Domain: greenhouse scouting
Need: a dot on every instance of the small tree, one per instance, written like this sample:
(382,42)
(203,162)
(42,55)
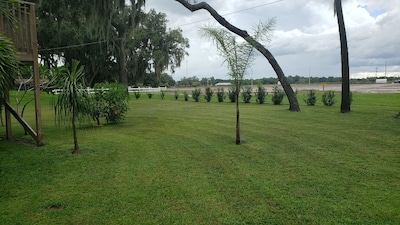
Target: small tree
(196,94)
(220,94)
(232,94)
(261,93)
(310,98)
(238,57)
(246,94)
(73,102)
(176,95)
(162,94)
(209,94)
(186,96)
(328,98)
(137,94)
(277,95)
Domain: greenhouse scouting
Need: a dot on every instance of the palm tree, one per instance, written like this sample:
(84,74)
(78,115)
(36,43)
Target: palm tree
(9,64)
(9,68)
(8,15)
(73,101)
(345,106)
(238,56)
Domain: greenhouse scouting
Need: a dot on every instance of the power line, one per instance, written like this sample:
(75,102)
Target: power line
(227,14)
(72,46)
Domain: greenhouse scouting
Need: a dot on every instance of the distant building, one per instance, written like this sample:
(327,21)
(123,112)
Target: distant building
(223,84)
(381,81)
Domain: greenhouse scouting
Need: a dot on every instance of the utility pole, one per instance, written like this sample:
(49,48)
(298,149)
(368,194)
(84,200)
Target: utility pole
(385,68)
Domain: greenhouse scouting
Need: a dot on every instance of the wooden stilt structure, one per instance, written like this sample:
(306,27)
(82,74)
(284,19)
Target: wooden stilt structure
(25,41)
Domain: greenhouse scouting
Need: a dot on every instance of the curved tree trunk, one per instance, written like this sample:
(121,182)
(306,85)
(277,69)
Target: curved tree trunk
(294,105)
(345,106)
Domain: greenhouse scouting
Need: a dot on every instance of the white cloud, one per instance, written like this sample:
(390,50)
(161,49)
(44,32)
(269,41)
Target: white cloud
(305,40)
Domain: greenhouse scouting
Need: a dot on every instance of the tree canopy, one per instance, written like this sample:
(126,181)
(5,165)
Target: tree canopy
(114,40)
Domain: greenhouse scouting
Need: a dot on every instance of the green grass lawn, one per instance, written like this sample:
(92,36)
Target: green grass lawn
(176,162)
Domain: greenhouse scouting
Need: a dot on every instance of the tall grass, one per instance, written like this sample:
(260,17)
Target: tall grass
(176,162)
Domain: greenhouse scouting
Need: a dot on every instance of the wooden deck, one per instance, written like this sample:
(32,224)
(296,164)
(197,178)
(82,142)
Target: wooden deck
(23,35)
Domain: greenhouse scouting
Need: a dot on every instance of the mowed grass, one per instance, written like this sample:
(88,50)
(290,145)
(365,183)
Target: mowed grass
(176,162)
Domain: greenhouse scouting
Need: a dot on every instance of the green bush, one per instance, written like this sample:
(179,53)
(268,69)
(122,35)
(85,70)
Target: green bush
(162,94)
(186,96)
(111,101)
(137,95)
(261,93)
(351,97)
(221,94)
(277,95)
(176,95)
(150,95)
(232,94)
(328,98)
(209,94)
(196,94)
(246,94)
(310,98)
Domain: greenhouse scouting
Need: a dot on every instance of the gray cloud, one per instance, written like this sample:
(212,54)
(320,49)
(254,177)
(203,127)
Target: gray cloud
(305,38)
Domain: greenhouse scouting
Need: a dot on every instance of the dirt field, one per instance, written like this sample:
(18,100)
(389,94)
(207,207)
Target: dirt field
(363,88)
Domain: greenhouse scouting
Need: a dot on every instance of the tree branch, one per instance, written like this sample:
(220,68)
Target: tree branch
(294,105)
(215,14)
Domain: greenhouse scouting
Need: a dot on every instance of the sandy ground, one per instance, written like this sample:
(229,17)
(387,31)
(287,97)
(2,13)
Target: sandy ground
(363,88)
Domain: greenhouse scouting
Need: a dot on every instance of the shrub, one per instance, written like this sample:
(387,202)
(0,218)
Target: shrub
(277,95)
(150,95)
(328,98)
(221,94)
(351,97)
(162,94)
(185,96)
(261,93)
(246,94)
(310,98)
(209,94)
(113,99)
(137,95)
(176,95)
(232,94)
(196,94)
(98,105)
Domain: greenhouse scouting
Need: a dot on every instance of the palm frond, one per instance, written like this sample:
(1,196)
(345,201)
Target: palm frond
(74,98)
(9,65)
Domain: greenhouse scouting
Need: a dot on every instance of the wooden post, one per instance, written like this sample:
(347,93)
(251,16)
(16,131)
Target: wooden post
(36,79)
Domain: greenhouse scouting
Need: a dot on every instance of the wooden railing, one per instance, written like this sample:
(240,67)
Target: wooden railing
(20,32)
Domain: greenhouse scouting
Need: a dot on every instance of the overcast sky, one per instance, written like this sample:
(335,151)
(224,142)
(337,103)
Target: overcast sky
(305,40)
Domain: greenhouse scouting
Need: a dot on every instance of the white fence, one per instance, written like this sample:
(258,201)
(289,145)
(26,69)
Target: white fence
(146,89)
(130,89)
